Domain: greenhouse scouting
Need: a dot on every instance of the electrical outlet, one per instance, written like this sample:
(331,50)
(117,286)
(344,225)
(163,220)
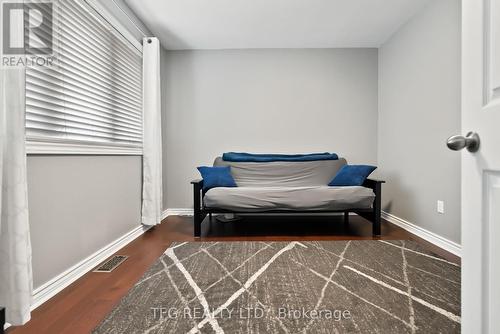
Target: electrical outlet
(440,206)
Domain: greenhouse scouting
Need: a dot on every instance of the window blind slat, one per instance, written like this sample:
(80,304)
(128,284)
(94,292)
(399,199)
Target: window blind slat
(92,54)
(76,73)
(50,121)
(103,94)
(100,35)
(89,71)
(52,116)
(41,131)
(79,34)
(108,96)
(96,22)
(52,111)
(69,100)
(94,92)
(83,60)
(70,106)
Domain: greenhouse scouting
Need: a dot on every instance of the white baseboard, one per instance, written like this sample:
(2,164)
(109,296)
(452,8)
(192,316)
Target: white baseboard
(61,281)
(427,235)
(177,212)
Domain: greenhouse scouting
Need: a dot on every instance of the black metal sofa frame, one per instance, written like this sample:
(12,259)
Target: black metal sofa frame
(373,215)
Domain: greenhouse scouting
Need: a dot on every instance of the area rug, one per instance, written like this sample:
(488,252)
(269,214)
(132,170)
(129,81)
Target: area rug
(293,287)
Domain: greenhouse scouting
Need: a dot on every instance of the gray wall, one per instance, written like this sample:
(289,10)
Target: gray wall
(419,107)
(77,205)
(265,101)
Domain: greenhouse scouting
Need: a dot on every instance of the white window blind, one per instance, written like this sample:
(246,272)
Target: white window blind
(93,95)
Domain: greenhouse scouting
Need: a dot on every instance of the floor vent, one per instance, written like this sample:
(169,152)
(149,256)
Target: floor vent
(111,264)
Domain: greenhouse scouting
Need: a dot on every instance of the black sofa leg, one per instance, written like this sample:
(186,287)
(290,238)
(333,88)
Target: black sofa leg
(377,207)
(198,217)
(346,218)
(377,230)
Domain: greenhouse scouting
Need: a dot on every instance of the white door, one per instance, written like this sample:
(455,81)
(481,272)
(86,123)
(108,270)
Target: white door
(481,170)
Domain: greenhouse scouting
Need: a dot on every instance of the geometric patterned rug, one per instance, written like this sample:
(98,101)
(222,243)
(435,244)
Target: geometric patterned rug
(293,287)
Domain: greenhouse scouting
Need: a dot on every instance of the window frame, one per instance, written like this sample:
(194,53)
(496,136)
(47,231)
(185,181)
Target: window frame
(55,146)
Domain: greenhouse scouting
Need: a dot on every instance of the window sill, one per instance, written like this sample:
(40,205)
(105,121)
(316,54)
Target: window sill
(41,147)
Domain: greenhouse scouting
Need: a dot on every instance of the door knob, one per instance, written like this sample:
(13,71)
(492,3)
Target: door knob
(471,142)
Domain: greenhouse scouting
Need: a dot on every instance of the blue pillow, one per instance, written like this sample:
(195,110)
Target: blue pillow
(352,175)
(216,177)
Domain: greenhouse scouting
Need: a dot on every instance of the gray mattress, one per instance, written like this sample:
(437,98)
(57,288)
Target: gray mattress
(311,198)
(283,174)
(282,186)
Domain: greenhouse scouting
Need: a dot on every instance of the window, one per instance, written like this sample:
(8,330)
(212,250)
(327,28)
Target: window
(91,100)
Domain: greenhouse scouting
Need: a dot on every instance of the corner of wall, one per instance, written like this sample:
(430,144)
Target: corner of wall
(415,116)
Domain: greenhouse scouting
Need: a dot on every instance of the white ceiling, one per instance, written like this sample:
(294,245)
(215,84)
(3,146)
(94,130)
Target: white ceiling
(241,24)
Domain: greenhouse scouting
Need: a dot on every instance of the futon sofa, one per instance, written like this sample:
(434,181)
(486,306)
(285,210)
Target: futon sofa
(287,187)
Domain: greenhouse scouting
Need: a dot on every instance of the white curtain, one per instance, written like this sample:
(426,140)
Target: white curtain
(152,144)
(15,248)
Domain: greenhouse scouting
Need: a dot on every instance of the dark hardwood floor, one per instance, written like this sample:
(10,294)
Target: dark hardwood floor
(82,306)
